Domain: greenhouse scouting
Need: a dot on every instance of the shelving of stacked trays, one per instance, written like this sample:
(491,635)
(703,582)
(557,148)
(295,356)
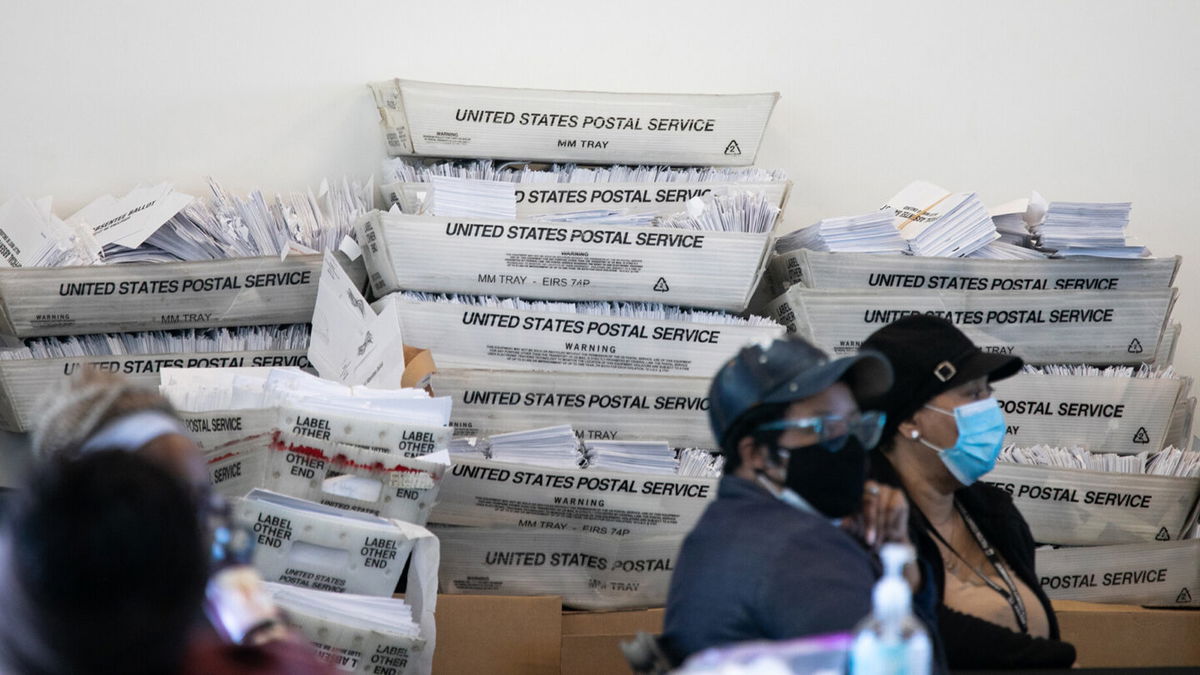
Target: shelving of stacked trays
(579,265)
(158,278)
(1100,459)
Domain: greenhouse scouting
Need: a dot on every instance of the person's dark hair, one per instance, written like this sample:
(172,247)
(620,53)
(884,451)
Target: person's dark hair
(746,426)
(102,568)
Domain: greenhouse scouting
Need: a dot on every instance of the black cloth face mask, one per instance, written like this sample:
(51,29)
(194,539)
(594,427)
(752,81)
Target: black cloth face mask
(829,480)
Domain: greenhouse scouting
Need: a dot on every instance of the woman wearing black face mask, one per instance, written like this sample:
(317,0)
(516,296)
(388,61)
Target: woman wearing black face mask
(786,549)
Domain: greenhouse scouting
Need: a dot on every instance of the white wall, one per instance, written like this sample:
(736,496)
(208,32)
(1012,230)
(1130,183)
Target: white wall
(1082,100)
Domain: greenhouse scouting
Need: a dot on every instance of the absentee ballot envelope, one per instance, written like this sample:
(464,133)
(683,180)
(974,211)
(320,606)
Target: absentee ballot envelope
(1126,415)
(597,406)
(562,261)
(1160,574)
(344,476)
(471,336)
(325,548)
(481,492)
(590,571)
(452,120)
(543,199)
(1090,508)
(1042,327)
(355,633)
(817,269)
(22,382)
(161,296)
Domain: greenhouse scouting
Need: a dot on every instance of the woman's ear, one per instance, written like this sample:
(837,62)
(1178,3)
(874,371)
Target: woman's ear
(908,429)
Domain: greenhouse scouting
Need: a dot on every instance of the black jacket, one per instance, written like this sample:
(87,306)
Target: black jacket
(755,568)
(971,642)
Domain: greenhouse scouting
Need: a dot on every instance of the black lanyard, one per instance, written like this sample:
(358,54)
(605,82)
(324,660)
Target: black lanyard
(1011,595)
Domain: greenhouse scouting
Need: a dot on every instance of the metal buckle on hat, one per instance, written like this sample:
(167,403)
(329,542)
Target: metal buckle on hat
(944,371)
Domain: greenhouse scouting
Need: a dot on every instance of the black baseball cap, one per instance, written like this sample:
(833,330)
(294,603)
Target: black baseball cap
(929,356)
(783,370)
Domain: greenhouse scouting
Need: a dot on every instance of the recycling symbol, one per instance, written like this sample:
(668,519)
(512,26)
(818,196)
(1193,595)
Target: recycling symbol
(1162,535)
(1183,596)
(661,285)
(1135,347)
(1141,436)
(733,148)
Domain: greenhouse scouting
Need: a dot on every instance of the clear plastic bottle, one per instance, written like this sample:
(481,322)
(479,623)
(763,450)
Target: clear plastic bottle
(891,641)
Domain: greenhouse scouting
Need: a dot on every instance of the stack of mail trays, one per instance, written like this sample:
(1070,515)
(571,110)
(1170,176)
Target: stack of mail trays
(214,296)
(1099,424)
(336,483)
(579,265)
(158,278)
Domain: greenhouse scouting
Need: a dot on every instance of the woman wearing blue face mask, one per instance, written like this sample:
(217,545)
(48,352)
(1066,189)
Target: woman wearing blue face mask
(944,432)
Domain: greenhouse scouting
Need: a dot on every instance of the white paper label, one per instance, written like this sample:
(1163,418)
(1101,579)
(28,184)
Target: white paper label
(159,296)
(1159,574)
(1126,415)
(1102,327)
(818,269)
(589,571)
(484,492)
(1090,508)
(598,407)
(465,336)
(562,261)
(444,120)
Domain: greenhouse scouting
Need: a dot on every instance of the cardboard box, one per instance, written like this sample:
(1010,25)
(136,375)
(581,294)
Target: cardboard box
(453,120)
(132,297)
(591,640)
(504,634)
(1124,636)
(498,635)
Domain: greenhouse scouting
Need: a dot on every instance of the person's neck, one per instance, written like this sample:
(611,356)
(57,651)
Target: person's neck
(932,494)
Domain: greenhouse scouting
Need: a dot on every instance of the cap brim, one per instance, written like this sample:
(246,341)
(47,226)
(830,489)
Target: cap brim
(868,374)
(982,364)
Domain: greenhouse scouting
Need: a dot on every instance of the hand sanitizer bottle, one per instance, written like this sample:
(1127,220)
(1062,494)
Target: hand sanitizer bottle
(891,641)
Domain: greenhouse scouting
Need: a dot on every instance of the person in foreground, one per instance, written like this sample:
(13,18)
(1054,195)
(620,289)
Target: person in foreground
(944,431)
(787,548)
(102,569)
(111,555)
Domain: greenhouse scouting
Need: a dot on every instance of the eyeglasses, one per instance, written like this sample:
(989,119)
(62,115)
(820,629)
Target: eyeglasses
(832,430)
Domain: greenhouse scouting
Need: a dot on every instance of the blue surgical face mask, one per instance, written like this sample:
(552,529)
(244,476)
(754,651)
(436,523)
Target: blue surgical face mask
(980,437)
